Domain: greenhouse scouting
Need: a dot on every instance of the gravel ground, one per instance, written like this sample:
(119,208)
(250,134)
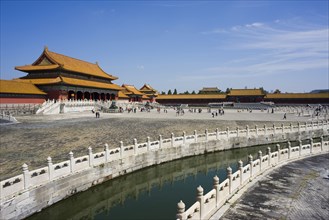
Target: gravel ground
(298,190)
(36,137)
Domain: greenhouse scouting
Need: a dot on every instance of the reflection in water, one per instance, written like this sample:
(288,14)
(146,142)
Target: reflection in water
(151,193)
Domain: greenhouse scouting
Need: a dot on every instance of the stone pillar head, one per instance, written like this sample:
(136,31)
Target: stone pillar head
(216,180)
(90,150)
(240,163)
(229,170)
(199,191)
(289,144)
(49,160)
(135,141)
(278,146)
(71,154)
(172,135)
(268,150)
(25,167)
(148,138)
(184,133)
(180,207)
(260,154)
(250,158)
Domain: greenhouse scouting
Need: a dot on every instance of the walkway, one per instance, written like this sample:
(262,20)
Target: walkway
(299,190)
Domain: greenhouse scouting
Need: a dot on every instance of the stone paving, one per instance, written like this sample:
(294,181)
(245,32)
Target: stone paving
(298,190)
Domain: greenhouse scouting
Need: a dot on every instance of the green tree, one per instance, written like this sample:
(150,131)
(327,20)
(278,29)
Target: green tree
(163,93)
(169,92)
(193,92)
(228,90)
(186,93)
(175,92)
(277,91)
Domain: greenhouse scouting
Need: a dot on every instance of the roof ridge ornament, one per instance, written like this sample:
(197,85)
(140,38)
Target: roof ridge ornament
(46,47)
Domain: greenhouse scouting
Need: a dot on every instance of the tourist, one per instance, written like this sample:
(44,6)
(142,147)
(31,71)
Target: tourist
(285,116)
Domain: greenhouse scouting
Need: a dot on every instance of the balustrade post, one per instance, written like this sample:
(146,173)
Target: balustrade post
(72,163)
(216,187)
(195,136)
(289,149)
(217,134)
(282,127)
(172,140)
(256,130)
(268,151)
(91,157)
(148,143)
(278,148)
(121,149)
(298,127)
(229,177)
(26,176)
(240,167)
(227,132)
(273,129)
(260,157)
(247,131)
(160,141)
(322,142)
(311,145)
(200,199)
(107,152)
(184,137)
(135,146)
(300,146)
(181,211)
(237,131)
(50,168)
(250,159)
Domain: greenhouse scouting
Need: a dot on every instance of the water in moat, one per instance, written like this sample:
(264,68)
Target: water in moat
(151,193)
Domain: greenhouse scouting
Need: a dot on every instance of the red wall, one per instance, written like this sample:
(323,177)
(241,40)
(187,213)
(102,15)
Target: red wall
(21,100)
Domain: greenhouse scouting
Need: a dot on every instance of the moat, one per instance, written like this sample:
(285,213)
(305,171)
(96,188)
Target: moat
(151,193)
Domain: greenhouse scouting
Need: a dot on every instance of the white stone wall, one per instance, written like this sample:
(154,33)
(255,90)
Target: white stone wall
(32,191)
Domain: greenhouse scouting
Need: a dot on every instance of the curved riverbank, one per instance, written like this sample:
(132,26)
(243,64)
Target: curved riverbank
(298,190)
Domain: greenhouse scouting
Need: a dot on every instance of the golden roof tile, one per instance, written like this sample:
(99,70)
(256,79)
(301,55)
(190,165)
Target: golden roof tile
(297,96)
(16,87)
(87,83)
(192,96)
(66,63)
(245,92)
(131,89)
(41,81)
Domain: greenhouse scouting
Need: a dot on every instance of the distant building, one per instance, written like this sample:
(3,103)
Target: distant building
(245,95)
(14,92)
(298,98)
(320,91)
(195,99)
(149,92)
(209,90)
(63,77)
(133,94)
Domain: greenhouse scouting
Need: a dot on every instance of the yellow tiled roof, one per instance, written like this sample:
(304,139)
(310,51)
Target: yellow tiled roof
(196,96)
(72,81)
(245,92)
(41,81)
(67,63)
(121,95)
(297,96)
(87,83)
(131,90)
(16,87)
(148,88)
(38,67)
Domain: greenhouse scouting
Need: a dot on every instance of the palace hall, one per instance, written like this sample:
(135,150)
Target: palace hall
(63,77)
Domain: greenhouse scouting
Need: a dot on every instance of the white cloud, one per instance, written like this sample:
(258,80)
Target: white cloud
(140,67)
(273,48)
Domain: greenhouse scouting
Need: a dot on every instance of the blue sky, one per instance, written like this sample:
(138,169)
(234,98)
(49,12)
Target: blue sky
(185,45)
